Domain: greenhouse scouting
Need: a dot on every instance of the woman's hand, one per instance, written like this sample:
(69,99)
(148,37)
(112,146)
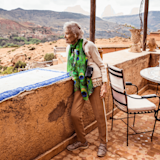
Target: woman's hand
(103,90)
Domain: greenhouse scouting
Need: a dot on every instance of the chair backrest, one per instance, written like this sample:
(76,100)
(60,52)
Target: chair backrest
(117,84)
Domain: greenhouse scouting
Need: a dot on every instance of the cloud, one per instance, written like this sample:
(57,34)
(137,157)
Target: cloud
(64,2)
(29,4)
(124,6)
(127,3)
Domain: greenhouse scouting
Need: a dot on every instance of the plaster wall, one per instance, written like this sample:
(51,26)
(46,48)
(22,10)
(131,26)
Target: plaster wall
(108,50)
(34,122)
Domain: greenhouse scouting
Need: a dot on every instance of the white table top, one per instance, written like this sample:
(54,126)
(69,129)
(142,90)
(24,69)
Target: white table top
(151,74)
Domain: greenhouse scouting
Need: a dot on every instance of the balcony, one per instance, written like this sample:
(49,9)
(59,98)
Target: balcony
(36,124)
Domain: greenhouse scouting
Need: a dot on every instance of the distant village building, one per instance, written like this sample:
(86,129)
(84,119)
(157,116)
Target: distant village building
(6,36)
(21,35)
(155,33)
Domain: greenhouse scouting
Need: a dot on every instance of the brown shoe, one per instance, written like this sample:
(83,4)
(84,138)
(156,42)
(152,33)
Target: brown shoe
(77,145)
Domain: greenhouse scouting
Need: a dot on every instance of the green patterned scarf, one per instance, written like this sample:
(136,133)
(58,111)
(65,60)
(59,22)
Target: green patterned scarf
(76,66)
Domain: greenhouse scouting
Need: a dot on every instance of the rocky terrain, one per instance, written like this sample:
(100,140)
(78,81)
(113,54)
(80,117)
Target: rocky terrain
(37,54)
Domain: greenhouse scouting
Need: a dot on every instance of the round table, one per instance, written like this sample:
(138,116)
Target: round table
(151,74)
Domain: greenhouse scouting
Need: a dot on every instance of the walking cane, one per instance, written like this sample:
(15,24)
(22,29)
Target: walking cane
(105,119)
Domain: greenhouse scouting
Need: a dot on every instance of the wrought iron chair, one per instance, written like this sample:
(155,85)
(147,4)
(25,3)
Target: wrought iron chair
(130,104)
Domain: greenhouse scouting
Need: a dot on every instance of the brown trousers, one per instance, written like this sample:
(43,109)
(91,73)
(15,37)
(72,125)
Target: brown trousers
(97,106)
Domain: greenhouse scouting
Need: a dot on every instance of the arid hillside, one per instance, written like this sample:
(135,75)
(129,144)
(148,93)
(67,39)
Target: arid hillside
(36,52)
(8,27)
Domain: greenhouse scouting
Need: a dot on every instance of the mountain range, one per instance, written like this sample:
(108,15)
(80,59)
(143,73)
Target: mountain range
(76,9)
(51,22)
(56,20)
(134,20)
(107,12)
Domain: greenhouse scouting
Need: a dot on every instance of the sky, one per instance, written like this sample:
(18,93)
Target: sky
(118,6)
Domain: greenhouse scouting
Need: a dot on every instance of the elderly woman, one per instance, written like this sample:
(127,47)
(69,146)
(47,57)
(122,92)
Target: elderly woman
(83,53)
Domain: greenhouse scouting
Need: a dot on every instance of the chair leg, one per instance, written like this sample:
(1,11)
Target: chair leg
(112,116)
(134,120)
(157,88)
(153,129)
(127,126)
(155,115)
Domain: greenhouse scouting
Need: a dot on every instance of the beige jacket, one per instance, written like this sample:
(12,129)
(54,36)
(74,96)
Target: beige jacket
(94,60)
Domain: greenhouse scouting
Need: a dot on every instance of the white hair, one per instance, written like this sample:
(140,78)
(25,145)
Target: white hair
(75,28)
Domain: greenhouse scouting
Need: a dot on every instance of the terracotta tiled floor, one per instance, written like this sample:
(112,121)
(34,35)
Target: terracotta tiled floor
(140,145)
